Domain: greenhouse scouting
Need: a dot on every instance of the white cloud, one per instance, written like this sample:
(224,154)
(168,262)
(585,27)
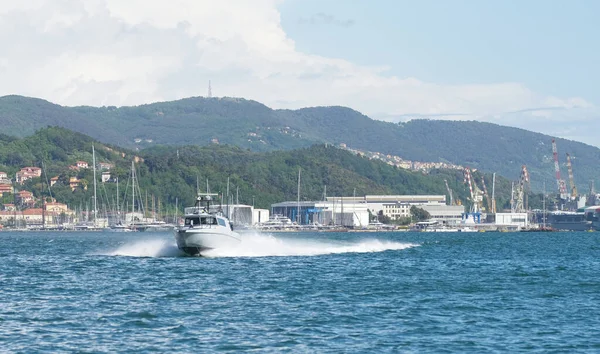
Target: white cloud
(126,52)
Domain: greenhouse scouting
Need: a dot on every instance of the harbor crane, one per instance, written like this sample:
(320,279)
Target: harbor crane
(519,195)
(571,178)
(487,196)
(449,192)
(474,192)
(562,187)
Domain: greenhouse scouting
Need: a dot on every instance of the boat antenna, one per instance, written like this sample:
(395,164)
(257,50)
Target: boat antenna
(176,206)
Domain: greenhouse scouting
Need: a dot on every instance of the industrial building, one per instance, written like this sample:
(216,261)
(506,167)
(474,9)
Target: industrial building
(360,211)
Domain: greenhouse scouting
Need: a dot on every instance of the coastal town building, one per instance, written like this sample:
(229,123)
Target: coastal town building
(399,162)
(5,184)
(105,176)
(104,166)
(74,183)
(25,199)
(27,173)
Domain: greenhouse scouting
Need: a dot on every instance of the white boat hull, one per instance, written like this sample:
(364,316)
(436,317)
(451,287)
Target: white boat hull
(194,241)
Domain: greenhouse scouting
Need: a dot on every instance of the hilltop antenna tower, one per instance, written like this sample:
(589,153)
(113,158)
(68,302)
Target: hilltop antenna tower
(209,90)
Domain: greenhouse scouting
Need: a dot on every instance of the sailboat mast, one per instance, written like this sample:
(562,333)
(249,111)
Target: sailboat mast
(95,195)
(43,203)
(298,217)
(118,213)
(228,198)
(132,190)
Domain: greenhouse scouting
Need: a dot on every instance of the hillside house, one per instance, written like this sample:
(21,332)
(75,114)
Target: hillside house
(9,207)
(5,188)
(105,166)
(27,173)
(81,164)
(73,183)
(105,176)
(25,198)
(53,180)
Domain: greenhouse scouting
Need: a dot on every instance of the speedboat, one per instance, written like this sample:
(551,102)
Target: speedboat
(205,228)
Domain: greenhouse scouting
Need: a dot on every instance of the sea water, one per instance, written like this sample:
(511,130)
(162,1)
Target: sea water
(301,292)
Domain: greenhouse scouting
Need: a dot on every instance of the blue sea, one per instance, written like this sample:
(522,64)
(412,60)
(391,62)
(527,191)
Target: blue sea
(97,292)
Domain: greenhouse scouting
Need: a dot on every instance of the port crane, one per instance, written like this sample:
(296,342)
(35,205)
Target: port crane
(487,197)
(474,192)
(571,178)
(562,187)
(449,192)
(519,195)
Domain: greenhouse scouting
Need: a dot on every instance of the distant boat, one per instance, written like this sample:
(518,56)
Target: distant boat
(205,227)
(120,228)
(152,226)
(277,222)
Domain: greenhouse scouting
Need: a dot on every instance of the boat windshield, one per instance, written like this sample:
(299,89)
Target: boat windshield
(209,220)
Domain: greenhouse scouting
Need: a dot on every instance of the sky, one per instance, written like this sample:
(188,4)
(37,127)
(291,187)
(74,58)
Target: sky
(528,64)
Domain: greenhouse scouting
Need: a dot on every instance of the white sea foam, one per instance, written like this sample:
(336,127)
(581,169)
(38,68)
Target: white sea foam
(265,245)
(147,248)
(262,245)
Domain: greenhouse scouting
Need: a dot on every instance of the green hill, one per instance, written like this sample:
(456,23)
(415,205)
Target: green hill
(251,125)
(172,174)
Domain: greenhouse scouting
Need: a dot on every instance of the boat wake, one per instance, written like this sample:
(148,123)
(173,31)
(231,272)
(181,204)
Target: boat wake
(261,245)
(147,248)
(265,245)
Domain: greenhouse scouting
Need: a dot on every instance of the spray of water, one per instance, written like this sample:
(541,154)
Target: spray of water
(263,245)
(148,248)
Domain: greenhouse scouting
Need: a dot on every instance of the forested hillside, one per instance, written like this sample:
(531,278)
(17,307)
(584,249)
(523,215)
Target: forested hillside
(251,125)
(170,173)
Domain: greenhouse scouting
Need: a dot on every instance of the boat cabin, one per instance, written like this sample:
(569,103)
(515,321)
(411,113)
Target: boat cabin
(203,220)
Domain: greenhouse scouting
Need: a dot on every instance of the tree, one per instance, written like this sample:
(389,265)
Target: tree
(419,214)
(384,219)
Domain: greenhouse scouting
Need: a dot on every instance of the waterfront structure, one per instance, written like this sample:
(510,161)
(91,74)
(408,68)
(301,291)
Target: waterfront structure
(239,214)
(358,211)
(260,216)
(333,211)
(54,215)
(519,220)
